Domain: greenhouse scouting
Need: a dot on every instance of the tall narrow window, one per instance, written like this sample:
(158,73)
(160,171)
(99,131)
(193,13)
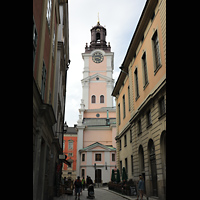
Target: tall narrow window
(101,99)
(126,165)
(156,51)
(98,37)
(145,74)
(48,15)
(120,166)
(34,42)
(149,122)
(119,117)
(129,99)
(43,80)
(113,157)
(125,141)
(136,84)
(53,43)
(93,99)
(132,164)
(162,106)
(70,144)
(139,127)
(83,173)
(83,157)
(130,135)
(124,107)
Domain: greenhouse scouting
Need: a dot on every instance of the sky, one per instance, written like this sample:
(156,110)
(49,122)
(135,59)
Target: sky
(120,19)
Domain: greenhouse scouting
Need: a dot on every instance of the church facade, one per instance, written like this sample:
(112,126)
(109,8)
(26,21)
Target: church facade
(96,145)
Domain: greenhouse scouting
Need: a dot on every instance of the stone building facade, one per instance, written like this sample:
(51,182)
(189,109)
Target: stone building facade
(140,93)
(70,150)
(50,65)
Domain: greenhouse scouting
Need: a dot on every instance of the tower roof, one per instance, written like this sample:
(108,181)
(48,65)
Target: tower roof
(98,39)
(98,25)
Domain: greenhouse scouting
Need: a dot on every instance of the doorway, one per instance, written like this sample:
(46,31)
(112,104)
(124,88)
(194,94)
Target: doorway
(98,176)
(152,158)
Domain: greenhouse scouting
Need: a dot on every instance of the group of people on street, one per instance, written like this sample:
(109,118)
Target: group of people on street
(79,185)
(140,187)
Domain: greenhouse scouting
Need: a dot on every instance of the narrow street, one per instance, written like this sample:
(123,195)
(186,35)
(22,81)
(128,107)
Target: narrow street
(100,194)
(99,99)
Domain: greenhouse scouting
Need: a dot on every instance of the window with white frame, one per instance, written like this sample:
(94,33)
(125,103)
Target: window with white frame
(70,144)
(101,99)
(98,157)
(93,99)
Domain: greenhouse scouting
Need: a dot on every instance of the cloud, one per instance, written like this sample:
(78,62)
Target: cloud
(120,18)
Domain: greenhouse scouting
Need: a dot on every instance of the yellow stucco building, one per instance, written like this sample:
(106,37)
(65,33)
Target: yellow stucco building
(140,93)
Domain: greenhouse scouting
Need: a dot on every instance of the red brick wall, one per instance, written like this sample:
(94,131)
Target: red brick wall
(74,151)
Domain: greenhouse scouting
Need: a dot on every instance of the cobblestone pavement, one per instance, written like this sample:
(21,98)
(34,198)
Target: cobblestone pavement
(100,194)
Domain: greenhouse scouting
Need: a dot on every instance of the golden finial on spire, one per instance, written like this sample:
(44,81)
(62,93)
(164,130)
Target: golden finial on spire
(98,22)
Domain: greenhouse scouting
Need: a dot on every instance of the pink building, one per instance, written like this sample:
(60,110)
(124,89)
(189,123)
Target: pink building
(96,146)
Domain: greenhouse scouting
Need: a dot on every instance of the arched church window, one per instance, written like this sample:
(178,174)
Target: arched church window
(98,37)
(101,99)
(93,99)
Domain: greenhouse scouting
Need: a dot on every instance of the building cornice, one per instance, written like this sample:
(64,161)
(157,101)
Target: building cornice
(141,26)
(97,50)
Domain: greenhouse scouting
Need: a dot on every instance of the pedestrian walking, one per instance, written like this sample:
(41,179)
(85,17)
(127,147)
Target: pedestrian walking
(78,187)
(83,183)
(140,187)
(123,186)
(87,181)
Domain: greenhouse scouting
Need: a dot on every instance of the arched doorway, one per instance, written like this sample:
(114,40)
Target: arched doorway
(141,159)
(153,170)
(141,163)
(163,159)
(163,150)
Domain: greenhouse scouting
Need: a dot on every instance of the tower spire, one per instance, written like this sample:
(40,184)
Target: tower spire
(98,22)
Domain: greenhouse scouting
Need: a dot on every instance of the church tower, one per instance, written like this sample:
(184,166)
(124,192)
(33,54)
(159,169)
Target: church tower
(97,120)
(97,79)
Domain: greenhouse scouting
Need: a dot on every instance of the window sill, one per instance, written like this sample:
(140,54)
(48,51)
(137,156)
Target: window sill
(161,116)
(157,69)
(137,97)
(144,87)
(149,125)
(139,133)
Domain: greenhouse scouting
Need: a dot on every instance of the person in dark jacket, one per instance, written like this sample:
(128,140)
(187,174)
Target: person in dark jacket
(87,181)
(90,188)
(78,187)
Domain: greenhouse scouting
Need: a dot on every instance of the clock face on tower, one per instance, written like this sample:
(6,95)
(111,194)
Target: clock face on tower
(97,57)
